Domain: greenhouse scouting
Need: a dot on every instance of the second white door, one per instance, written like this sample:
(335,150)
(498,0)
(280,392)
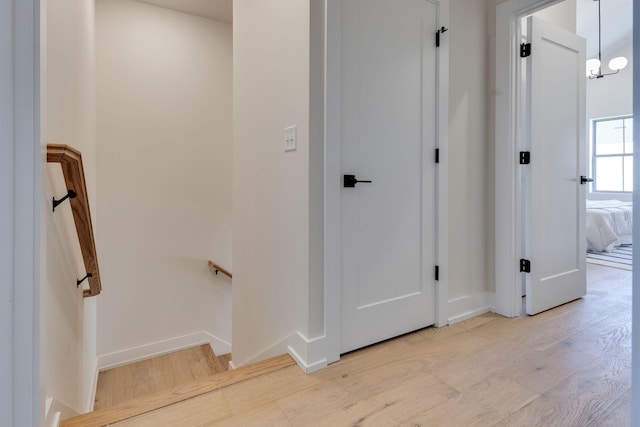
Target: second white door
(389,137)
(555,204)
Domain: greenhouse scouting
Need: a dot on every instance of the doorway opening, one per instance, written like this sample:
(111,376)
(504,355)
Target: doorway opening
(600,98)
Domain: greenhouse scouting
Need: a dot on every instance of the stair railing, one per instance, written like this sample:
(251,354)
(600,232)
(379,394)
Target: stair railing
(217,269)
(70,160)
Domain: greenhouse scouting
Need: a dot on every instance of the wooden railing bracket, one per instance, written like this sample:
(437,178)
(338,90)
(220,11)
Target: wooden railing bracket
(70,195)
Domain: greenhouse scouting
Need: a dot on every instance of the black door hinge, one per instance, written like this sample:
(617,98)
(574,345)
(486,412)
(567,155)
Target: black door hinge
(525,157)
(440,31)
(525,266)
(525,50)
(437,273)
(437,155)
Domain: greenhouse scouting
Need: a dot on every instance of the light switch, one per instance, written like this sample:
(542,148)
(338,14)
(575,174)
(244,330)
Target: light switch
(290,138)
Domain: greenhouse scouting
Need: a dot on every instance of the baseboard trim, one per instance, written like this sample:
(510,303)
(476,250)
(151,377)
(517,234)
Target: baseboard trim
(308,353)
(272,351)
(56,411)
(469,306)
(306,367)
(158,348)
(92,396)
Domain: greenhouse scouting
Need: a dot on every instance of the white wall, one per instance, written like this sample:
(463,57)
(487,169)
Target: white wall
(68,363)
(271,187)
(164,179)
(470,155)
(611,95)
(608,97)
(562,14)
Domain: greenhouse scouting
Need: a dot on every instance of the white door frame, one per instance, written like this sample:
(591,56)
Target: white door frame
(333,184)
(508,235)
(635,322)
(19,212)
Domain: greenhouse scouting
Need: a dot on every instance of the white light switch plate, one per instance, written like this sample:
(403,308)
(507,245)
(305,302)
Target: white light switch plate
(290,138)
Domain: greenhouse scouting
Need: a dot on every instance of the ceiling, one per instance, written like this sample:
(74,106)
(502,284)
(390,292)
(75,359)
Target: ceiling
(617,25)
(221,10)
(617,19)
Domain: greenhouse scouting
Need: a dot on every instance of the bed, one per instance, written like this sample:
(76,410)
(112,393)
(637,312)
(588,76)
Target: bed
(609,224)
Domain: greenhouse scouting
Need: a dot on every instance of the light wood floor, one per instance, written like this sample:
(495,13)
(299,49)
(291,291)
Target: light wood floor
(570,366)
(121,384)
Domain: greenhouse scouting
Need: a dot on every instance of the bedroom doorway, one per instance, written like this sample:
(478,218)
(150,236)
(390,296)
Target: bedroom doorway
(609,135)
(509,239)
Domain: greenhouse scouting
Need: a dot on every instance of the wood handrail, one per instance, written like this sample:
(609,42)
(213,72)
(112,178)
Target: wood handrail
(217,268)
(70,160)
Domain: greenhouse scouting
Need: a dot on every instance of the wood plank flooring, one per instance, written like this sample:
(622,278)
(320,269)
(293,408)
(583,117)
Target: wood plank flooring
(570,366)
(121,384)
(148,406)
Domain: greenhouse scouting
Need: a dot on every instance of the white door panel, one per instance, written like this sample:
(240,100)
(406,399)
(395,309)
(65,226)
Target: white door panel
(388,225)
(555,207)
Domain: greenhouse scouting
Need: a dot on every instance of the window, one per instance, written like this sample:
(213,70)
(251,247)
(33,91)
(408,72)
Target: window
(613,154)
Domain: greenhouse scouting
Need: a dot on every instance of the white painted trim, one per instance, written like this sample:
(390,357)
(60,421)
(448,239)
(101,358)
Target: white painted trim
(91,399)
(306,367)
(469,306)
(442,190)
(333,160)
(158,348)
(507,203)
(19,217)
(635,327)
(7,189)
(54,420)
(308,353)
(55,411)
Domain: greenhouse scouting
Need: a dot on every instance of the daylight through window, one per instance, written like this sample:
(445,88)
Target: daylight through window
(613,154)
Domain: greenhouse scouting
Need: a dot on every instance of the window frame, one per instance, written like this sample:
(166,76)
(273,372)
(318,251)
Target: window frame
(623,155)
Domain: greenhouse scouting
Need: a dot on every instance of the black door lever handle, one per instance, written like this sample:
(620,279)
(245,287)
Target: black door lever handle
(350,181)
(584,179)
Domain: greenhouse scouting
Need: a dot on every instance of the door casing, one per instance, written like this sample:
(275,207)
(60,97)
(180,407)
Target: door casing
(508,215)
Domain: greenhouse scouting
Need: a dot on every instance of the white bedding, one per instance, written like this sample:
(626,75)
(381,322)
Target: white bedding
(609,224)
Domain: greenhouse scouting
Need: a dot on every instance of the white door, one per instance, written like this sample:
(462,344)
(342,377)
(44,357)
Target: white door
(555,206)
(388,138)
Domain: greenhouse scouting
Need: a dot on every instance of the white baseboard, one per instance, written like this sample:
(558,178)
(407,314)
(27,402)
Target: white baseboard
(55,411)
(92,395)
(158,348)
(272,351)
(308,353)
(301,349)
(469,306)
